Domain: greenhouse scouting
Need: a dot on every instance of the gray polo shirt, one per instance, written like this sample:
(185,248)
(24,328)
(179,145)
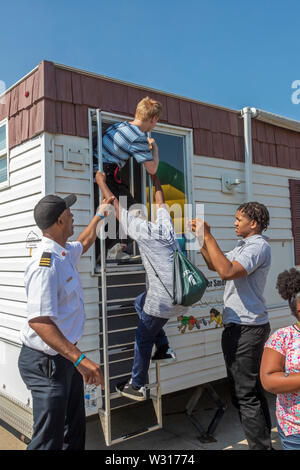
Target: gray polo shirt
(243,298)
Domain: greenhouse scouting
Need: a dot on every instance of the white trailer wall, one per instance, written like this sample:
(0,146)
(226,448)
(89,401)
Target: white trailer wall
(27,186)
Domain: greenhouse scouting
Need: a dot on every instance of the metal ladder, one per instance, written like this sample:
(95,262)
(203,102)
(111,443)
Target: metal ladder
(115,309)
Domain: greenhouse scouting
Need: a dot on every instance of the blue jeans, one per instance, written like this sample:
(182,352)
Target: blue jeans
(149,332)
(291,442)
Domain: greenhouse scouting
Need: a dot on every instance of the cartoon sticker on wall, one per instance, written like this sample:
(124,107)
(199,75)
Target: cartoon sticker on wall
(190,322)
(32,241)
(187,321)
(216,316)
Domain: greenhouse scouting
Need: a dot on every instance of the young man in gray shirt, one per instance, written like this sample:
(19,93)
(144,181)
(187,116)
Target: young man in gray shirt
(157,242)
(245,317)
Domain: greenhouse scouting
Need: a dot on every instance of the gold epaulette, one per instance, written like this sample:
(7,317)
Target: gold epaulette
(46,259)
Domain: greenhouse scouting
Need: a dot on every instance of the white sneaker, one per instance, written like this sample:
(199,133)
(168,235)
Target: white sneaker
(166,356)
(116,252)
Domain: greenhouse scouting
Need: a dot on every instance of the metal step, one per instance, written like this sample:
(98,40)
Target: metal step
(17,415)
(105,416)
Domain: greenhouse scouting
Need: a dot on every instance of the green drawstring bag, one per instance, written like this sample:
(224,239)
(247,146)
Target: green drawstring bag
(189,283)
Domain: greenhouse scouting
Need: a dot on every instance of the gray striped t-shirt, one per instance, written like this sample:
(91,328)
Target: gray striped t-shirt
(123,140)
(157,242)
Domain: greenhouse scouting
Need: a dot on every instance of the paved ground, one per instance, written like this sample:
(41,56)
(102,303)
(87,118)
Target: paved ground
(178,432)
(10,442)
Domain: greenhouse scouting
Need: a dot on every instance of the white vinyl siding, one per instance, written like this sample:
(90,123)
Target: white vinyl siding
(16,222)
(63,179)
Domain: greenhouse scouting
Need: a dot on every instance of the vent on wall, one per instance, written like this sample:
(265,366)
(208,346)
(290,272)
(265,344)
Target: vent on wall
(295,213)
(75,160)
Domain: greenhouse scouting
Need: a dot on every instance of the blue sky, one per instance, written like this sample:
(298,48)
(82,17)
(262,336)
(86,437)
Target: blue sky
(230,53)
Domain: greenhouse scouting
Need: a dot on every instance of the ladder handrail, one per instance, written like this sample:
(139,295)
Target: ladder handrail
(150,192)
(104,287)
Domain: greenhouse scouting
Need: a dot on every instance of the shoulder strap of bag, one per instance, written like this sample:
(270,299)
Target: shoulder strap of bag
(158,275)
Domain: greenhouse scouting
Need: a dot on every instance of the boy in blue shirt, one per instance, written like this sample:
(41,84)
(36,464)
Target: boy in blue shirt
(123,140)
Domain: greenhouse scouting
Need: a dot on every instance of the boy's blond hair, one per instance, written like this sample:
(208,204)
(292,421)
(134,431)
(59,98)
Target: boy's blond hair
(147,109)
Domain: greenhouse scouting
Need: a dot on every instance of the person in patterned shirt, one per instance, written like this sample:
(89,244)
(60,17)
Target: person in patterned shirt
(280,364)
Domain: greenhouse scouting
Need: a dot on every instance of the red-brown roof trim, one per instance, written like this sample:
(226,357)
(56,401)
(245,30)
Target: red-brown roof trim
(55,99)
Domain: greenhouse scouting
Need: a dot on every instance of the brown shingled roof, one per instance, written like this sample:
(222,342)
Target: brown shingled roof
(55,99)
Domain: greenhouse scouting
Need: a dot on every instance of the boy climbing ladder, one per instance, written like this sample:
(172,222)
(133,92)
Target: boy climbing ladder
(126,139)
(156,240)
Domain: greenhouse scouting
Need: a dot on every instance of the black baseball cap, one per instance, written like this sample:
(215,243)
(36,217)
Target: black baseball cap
(49,208)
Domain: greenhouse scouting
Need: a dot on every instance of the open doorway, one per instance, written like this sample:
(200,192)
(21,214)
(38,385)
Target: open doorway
(173,173)
(119,251)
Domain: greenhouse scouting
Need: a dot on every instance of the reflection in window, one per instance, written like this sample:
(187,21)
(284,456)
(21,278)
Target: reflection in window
(2,137)
(171,172)
(3,154)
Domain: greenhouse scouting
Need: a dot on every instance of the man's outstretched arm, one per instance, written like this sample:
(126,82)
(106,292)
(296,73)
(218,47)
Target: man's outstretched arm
(152,166)
(213,256)
(106,192)
(159,193)
(88,236)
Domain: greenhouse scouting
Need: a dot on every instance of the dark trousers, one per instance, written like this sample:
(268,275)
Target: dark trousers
(57,400)
(149,332)
(242,348)
(119,188)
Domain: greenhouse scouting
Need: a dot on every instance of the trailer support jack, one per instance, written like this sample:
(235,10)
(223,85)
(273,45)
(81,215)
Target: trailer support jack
(206,436)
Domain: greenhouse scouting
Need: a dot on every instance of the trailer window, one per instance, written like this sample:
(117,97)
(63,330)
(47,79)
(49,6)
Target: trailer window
(172,172)
(3,154)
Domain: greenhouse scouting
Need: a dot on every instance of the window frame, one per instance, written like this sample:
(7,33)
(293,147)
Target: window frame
(187,133)
(5,152)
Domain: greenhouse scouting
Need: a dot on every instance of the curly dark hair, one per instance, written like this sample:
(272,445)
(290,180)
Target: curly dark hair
(258,212)
(288,286)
